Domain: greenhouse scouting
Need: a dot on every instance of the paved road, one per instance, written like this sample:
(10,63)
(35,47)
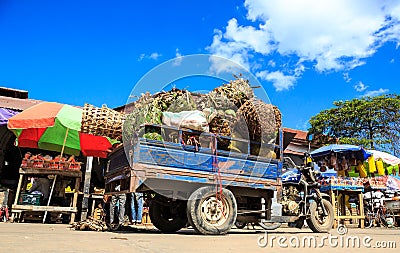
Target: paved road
(34,237)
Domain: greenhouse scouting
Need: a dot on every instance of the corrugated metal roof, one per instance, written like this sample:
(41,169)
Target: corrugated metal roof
(302,135)
(16,103)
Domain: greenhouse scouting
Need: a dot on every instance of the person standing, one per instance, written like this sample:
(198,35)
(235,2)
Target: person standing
(137,207)
(119,198)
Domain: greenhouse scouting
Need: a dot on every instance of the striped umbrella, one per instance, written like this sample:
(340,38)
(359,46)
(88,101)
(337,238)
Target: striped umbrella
(56,127)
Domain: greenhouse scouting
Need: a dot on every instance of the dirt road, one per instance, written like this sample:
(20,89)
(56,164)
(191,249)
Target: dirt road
(33,237)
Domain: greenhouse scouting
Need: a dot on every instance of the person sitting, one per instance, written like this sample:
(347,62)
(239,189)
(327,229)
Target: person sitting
(41,186)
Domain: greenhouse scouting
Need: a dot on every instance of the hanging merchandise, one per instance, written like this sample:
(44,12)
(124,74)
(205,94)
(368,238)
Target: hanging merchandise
(361,169)
(344,166)
(353,160)
(386,157)
(333,162)
(341,166)
(371,164)
(393,170)
(380,168)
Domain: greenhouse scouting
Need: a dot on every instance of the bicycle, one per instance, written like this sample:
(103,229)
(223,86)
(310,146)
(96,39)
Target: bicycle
(379,215)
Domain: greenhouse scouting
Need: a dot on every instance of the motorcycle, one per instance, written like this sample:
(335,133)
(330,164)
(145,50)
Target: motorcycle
(299,200)
(301,197)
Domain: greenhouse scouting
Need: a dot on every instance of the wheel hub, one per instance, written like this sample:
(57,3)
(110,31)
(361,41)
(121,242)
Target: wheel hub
(214,211)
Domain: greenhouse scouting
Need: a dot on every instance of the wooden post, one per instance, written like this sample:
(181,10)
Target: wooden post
(75,198)
(86,188)
(361,206)
(21,177)
(333,200)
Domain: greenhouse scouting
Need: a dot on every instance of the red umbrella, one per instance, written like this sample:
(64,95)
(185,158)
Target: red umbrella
(56,127)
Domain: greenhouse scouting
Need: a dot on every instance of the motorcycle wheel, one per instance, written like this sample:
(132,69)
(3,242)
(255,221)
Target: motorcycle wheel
(318,222)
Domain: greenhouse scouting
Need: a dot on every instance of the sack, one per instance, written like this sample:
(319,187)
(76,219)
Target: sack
(194,120)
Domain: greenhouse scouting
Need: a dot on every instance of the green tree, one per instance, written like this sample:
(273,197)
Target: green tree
(372,122)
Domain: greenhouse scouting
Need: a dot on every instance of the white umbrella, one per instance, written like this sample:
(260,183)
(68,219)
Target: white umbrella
(386,157)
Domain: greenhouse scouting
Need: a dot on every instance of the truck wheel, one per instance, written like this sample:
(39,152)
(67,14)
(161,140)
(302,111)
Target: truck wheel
(269,225)
(210,213)
(317,221)
(240,224)
(166,217)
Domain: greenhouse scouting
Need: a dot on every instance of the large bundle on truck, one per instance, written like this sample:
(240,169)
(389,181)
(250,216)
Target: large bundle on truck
(230,111)
(212,160)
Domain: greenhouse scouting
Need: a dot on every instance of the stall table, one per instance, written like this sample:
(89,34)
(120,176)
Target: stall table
(17,209)
(339,206)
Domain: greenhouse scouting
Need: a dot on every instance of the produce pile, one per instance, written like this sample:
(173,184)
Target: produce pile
(230,110)
(59,162)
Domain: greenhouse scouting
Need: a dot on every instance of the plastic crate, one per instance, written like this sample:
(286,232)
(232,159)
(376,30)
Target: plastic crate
(30,199)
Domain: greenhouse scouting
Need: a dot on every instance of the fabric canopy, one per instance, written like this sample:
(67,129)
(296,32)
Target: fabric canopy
(340,148)
(386,157)
(56,127)
(40,116)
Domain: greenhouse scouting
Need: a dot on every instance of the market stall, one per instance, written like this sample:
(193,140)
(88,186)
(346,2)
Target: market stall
(346,198)
(350,174)
(52,128)
(26,200)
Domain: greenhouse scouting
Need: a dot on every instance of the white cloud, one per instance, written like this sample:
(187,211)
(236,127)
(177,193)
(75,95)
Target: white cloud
(141,57)
(178,58)
(346,77)
(257,39)
(279,80)
(330,35)
(360,87)
(232,50)
(271,63)
(225,65)
(152,56)
(374,93)
(392,61)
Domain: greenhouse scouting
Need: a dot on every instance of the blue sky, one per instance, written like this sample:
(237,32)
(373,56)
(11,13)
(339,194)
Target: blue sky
(305,53)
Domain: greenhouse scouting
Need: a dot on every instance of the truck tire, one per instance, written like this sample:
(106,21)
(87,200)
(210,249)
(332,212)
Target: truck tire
(316,222)
(210,213)
(240,224)
(269,225)
(167,218)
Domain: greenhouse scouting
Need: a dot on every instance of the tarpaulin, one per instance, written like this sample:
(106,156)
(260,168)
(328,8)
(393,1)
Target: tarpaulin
(5,114)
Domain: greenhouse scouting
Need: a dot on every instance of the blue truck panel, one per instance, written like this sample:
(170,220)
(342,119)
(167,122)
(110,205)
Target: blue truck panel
(203,161)
(176,162)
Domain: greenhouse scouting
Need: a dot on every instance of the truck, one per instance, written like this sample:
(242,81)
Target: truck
(189,181)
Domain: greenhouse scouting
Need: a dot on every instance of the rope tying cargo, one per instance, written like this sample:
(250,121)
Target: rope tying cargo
(216,169)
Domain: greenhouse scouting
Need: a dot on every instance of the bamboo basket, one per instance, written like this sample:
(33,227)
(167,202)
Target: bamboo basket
(102,121)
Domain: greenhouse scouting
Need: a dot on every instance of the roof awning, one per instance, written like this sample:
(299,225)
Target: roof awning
(5,114)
